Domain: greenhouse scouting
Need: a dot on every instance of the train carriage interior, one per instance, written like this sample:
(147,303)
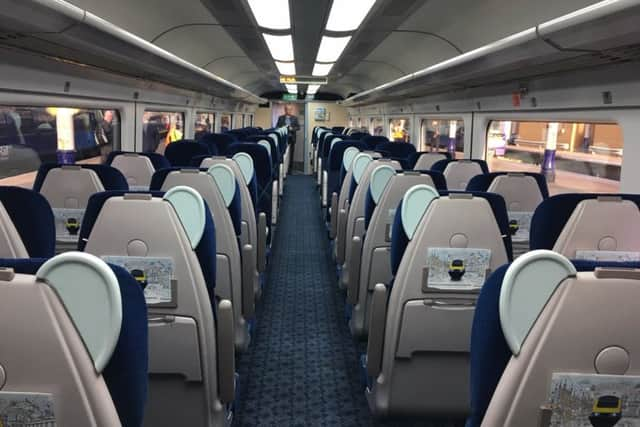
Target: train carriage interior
(390,213)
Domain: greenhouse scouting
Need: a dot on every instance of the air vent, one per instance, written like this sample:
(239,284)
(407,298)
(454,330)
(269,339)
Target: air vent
(620,54)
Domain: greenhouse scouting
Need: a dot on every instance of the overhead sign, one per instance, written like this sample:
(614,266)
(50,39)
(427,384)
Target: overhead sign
(304,80)
(289,97)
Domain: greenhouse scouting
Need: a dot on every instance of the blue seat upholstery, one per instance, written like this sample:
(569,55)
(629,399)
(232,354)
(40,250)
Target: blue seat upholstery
(400,240)
(205,251)
(276,158)
(358,135)
(483,182)
(111,178)
(235,208)
(33,219)
(180,153)
(218,142)
(490,353)
(370,205)
(335,166)
(553,213)
(373,140)
(337,129)
(157,160)
(127,370)
(397,150)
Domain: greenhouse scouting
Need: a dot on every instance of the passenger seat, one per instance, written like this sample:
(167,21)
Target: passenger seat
(458,173)
(137,168)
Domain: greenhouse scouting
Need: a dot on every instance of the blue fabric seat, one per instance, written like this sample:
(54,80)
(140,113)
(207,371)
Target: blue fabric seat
(111,178)
(400,240)
(126,373)
(490,353)
(483,182)
(180,153)
(397,150)
(275,156)
(33,219)
(157,160)
(373,140)
(218,142)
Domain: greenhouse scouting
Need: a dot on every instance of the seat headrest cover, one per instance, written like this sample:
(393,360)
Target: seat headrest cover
(91,295)
(226,181)
(528,285)
(360,163)
(347,158)
(380,177)
(245,162)
(266,145)
(414,204)
(191,210)
(333,142)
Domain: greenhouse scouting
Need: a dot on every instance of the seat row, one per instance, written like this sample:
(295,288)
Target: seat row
(430,281)
(188,284)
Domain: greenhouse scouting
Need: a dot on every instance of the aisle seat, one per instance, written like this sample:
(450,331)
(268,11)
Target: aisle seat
(426,160)
(137,168)
(180,153)
(218,142)
(458,173)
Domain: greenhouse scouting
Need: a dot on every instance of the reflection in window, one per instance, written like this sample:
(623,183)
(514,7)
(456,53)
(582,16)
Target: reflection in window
(575,157)
(30,136)
(442,135)
(225,123)
(237,121)
(400,130)
(359,122)
(376,126)
(350,122)
(160,129)
(205,123)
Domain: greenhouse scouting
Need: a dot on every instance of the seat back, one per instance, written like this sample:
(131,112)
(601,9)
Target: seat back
(424,161)
(218,142)
(380,209)
(355,217)
(534,344)
(458,173)
(373,140)
(170,240)
(218,199)
(397,150)
(431,303)
(94,336)
(27,227)
(67,188)
(137,168)
(180,153)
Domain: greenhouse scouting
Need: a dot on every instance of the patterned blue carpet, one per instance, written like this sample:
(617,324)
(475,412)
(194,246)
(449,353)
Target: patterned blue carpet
(302,367)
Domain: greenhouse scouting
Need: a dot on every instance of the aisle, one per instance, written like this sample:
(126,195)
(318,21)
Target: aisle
(302,366)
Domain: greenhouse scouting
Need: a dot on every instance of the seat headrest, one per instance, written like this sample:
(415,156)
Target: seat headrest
(397,150)
(220,142)
(157,160)
(180,153)
(126,370)
(261,160)
(414,204)
(32,218)
(484,182)
(380,177)
(459,172)
(424,160)
(359,165)
(373,140)
(553,214)
(349,155)
(111,178)
(245,162)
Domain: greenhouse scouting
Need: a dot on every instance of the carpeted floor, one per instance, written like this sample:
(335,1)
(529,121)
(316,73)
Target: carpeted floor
(302,366)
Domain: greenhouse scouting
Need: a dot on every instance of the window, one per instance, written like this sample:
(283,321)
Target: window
(160,128)
(237,121)
(359,123)
(205,123)
(442,135)
(376,126)
(400,130)
(225,122)
(30,136)
(575,157)
(350,122)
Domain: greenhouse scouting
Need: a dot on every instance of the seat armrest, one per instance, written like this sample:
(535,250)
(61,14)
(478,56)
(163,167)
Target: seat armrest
(248,293)
(333,228)
(226,352)
(354,273)
(262,242)
(377,325)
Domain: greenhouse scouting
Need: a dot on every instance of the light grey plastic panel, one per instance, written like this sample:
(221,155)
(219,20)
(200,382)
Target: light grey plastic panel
(191,211)
(414,204)
(173,346)
(225,179)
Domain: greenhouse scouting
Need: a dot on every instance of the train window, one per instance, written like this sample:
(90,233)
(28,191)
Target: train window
(205,123)
(351,122)
(160,128)
(359,121)
(225,122)
(376,126)
(575,157)
(442,135)
(30,136)
(237,121)
(400,129)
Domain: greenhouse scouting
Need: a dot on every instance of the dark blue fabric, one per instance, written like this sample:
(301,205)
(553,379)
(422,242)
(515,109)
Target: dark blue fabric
(399,239)
(126,374)
(335,166)
(274,155)
(157,160)
(180,153)
(326,149)
(483,182)
(441,165)
(33,219)
(373,140)
(205,251)
(358,135)
(490,353)
(552,215)
(111,178)
(397,149)
(413,158)
(218,142)
(337,129)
